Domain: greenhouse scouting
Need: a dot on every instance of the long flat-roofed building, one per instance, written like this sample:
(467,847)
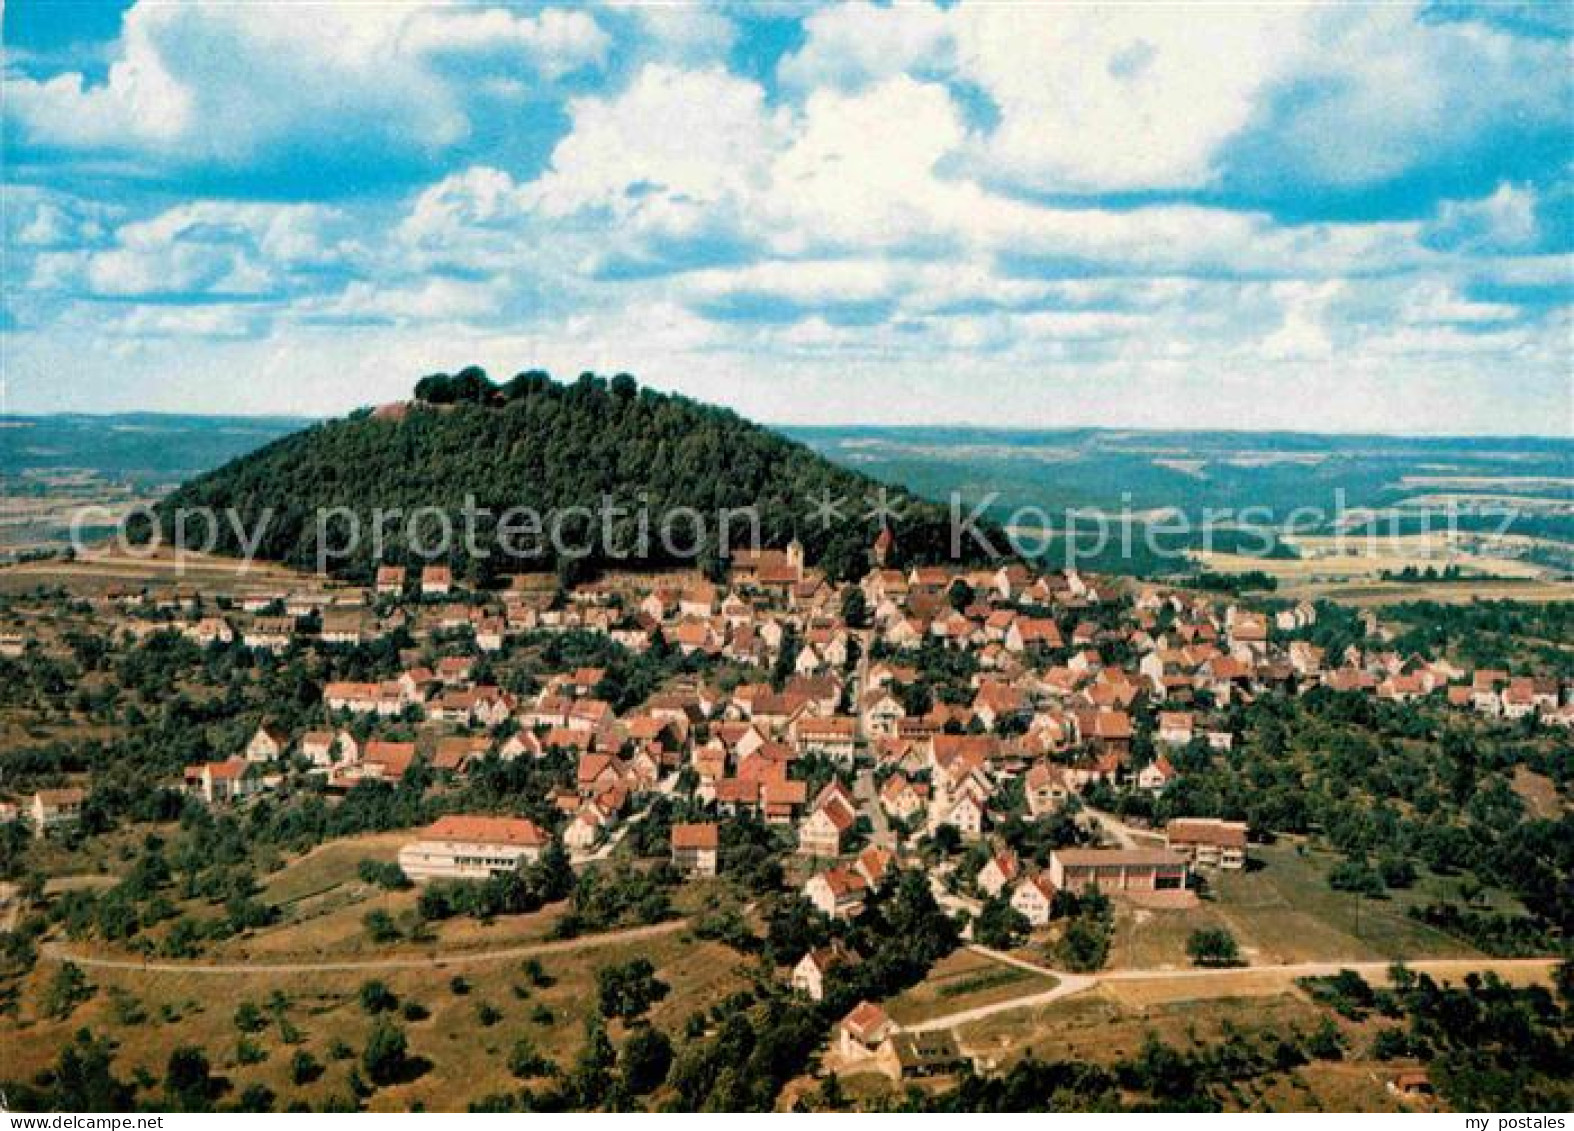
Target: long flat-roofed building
(472,848)
(1118,869)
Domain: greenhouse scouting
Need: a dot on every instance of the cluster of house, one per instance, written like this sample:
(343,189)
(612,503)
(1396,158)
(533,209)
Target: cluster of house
(1069,669)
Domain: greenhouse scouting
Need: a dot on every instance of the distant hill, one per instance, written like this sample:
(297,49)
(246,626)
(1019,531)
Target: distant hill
(533,442)
(140,446)
(1111,469)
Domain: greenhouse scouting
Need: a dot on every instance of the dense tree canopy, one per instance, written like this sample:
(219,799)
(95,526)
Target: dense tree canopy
(534,443)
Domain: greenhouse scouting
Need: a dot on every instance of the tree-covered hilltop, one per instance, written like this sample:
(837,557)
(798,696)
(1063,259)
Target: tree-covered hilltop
(549,446)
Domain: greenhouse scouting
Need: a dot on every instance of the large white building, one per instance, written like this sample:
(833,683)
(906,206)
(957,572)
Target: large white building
(472,848)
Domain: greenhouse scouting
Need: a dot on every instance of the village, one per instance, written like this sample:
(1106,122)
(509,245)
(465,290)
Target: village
(837,724)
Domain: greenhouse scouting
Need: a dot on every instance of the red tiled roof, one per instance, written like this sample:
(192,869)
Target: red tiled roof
(695,836)
(518,831)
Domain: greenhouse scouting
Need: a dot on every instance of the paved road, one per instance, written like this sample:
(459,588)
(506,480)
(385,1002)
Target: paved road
(55,952)
(865,791)
(949,900)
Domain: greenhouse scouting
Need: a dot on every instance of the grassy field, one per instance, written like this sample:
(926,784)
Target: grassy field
(467,1057)
(1349,568)
(964,980)
(1284,911)
(101,570)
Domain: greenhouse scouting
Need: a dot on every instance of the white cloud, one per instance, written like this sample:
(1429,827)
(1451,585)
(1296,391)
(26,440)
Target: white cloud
(1303,333)
(209,248)
(1385,88)
(847,45)
(1433,302)
(921,193)
(1089,98)
(1503,221)
(479,199)
(421,302)
(236,83)
(689,34)
(849,178)
(1120,98)
(672,137)
(554,43)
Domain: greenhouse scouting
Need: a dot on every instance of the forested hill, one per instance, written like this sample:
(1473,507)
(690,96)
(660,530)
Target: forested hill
(533,442)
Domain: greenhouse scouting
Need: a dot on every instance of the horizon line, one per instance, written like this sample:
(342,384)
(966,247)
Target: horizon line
(1011,429)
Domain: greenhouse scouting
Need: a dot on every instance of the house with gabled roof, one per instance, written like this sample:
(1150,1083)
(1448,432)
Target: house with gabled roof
(233,779)
(835,736)
(1209,842)
(999,873)
(1156,775)
(824,830)
(837,893)
(1034,898)
(863,1030)
(695,848)
(267,744)
(810,971)
(903,798)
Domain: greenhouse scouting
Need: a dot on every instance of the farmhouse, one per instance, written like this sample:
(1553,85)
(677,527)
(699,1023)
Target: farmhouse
(267,744)
(836,736)
(1001,871)
(837,894)
(918,1054)
(436,581)
(822,831)
(390,580)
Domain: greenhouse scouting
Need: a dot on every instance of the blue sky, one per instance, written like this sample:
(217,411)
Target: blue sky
(1345,218)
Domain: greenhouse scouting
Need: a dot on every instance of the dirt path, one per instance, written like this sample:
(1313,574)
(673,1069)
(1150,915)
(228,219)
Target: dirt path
(1212,983)
(1437,967)
(57,953)
(1066,985)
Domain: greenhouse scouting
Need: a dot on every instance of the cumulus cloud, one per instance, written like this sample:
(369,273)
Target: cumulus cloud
(1085,99)
(1503,221)
(1176,208)
(848,45)
(237,84)
(210,248)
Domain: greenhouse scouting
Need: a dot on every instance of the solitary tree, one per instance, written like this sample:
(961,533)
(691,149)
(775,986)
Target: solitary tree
(1213,946)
